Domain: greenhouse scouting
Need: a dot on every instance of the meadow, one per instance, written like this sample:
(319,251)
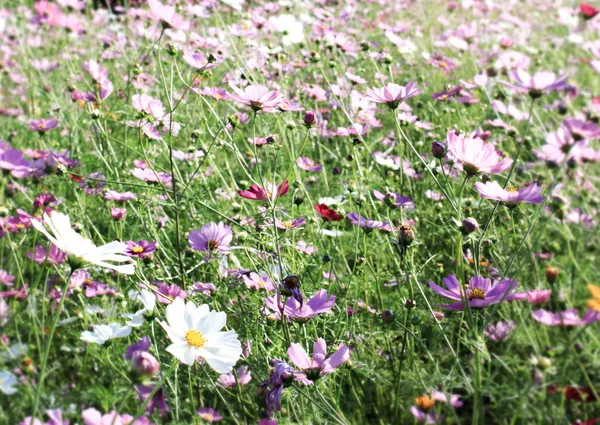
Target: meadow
(284,212)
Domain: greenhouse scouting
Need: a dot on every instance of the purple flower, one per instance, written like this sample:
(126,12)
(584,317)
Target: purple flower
(157,402)
(321,302)
(142,345)
(393,94)
(581,130)
(475,155)
(565,318)
(320,364)
(211,237)
(480,292)
(209,414)
(228,380)
(367,223)
(93,184)
(510,196)
(12,161)
(44,200)
(499,331)
(281,374)
(42,125)
(140,249)
(394,199)
(205,288)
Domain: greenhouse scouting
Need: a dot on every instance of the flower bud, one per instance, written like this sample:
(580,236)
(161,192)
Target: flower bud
(469,225)
(145,364)
(309,119)
(387,316)
(410,303)
(551,274)
(438,149)
(406,236)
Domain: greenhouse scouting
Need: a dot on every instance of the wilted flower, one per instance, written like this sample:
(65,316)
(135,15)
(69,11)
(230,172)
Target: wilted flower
(499,331)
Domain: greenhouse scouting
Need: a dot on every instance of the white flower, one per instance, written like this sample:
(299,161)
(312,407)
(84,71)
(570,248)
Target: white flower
(235,4)
(196,332)
(292,29)
(73,244)
(149,301)
(7,382)
(103,333)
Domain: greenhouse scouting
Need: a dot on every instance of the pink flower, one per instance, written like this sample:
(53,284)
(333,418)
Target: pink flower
(536,84)
(393,94)
(533,296)
(320,364)
(256,193)
(227,380)
(492,190)
(321,302)
(258,97)
(167,16)
(565,318)
(118,213)
(308,164)
(54,255)
(209,414)
(199,60)
(258,281)
(475,155)
(6,279)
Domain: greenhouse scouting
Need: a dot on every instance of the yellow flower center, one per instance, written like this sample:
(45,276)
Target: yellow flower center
(20,226)
(194,338)
(137,249)
(477,294)
(425,402)
(212,244)
(287,224)
(511,189)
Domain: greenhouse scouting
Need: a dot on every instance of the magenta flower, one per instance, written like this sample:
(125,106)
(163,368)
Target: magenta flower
(510,196)
(479,293)
(12,161)
(44,200)
(53,256)
(475,155)
(257,193)
(367,223)
(43,125)
(205,288)
(140,249)
(5,278)
(321,302)
(209,414)
(499,331)
(167,293)
(537,84)
(533,296)
(167,16)
(227,380)
(157,402)
(199,60)
(393,94)
(118,214)
(287,224)
(320,364)
(212,237)
(258,97)
(93,184)
(565,318)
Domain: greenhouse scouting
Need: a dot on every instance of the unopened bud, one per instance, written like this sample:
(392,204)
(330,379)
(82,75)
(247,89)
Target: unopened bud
(387,316)
(551,274)
(145,364)
(438,149)
(406,236)
(469,225)
(309,119)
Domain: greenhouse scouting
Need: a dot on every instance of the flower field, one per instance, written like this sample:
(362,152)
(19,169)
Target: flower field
(283,212)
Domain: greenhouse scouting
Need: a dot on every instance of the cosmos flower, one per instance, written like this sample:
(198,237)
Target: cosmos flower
(536,84)
(425,403)
(94,417)
(7,382)
(157,402)
(594,303)
(565,318)
(5,278)
(492,190)
(209,414)
(393,94)
(258,281)
(77,247)
(212,237)
(103,333)
(13,161)
(150,176)
(499,331)
(140,249)
(320,364)
(199,60)
(195,331)
(479,293)
(319,303)
(327,213)
(257,97)
(43,125)
(137,319)
(475,155)
(228,380)
(308,164)
(257,193)
(167,16)
(113,195)
(281,374)
(533,296)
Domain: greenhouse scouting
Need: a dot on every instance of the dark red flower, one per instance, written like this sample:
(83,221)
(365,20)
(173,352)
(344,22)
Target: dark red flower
(328,213)
(588,11)
(580,394)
